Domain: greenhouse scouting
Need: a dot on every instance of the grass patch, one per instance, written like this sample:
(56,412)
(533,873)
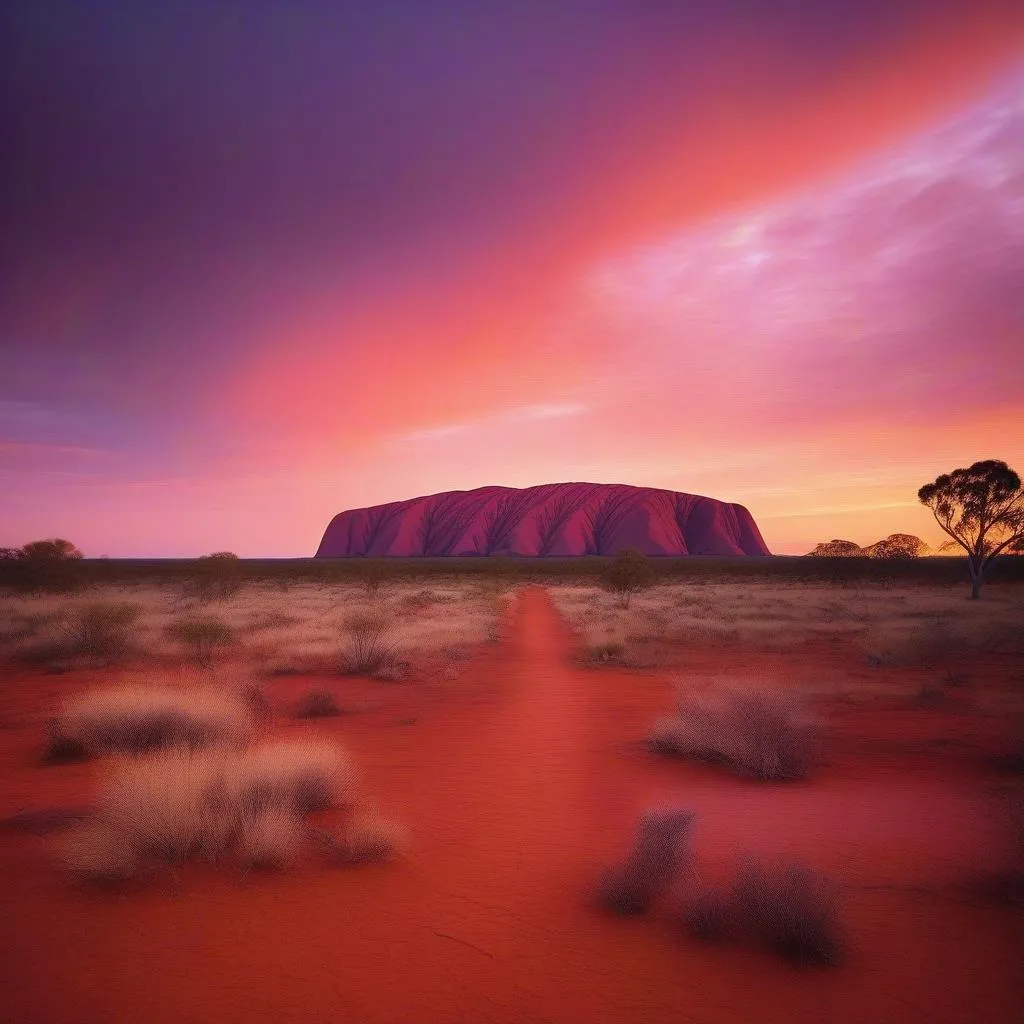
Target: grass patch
(371,643)
(202,636)
(135,719)
(758,733)
(176,806)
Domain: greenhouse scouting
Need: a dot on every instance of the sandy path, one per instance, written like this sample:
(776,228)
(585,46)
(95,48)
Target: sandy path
(515,801)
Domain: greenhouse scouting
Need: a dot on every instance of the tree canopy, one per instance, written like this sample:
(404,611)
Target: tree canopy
(982,509)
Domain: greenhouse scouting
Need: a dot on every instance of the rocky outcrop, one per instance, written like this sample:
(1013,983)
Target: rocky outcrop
(553,520)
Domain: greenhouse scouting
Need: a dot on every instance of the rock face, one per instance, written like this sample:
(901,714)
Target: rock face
(553,520)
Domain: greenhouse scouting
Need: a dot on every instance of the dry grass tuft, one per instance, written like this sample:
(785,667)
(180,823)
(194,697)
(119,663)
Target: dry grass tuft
(139,718)
(302,775)
(371,840)
(176,806)
(657,854)
(202,636)
(371,642)
(759,733)
(270,838)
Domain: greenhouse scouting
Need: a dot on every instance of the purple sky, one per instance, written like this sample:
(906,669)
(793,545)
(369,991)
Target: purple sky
(261,262)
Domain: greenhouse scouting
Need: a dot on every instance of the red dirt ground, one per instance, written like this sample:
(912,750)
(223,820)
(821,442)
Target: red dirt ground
(517,787)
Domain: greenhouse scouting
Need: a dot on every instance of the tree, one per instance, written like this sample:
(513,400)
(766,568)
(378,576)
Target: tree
(837,549)
(629,572)
(982,509)
(56,549)
(217,575)
(899,546)
(52,564)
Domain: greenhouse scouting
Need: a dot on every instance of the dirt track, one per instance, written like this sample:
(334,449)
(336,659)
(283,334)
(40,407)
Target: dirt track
(516,793)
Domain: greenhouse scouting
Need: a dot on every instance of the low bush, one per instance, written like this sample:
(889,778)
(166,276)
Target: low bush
(370,840)
(301,775)
(651,865)
(317,704)
(202,636)
(139,718)
(175,806)
(761,734)
(628,573)
(708,914)
(371,643)
(793,908)
(102,631)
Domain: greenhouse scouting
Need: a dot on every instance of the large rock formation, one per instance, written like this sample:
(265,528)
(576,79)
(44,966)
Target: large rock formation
(554,520)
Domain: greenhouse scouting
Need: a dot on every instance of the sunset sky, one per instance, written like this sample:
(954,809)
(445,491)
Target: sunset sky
(261,262)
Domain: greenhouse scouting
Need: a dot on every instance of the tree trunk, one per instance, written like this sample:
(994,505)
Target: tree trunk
(976,579)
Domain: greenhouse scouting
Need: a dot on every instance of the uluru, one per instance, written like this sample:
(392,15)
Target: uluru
(549,520)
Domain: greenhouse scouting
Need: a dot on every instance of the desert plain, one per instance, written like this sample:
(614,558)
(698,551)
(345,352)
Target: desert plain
(504,735)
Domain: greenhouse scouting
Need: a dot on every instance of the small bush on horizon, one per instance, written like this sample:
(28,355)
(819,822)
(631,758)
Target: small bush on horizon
(629,573)
(216,577)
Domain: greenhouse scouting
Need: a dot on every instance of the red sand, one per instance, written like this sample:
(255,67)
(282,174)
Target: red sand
(517,790)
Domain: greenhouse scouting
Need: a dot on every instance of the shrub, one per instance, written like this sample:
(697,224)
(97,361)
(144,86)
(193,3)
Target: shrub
(793,908)
(202,636)
(371,643)
(317,704)
(154,809)
(299,775)
(54,550)
(270,838)
(102,630)
(611,651)
(759,733)
(708,914)
(176,806)
(140,718)
(217,576)
(370,840)
(45,565)
(657,853)
(629,572)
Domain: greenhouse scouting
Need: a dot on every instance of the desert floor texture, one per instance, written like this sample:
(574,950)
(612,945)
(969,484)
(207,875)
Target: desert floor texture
(518,781)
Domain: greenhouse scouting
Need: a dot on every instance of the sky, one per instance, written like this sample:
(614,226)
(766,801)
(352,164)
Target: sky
(261,262)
